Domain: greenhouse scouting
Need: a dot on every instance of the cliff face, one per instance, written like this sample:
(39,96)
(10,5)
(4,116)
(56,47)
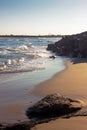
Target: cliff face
(72,46)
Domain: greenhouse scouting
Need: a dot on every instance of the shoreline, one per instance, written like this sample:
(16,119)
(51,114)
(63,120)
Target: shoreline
(57,74)
(16,95)
(72,77)
(43,84)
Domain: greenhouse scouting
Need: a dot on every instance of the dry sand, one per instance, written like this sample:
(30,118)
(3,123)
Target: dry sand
(72,83)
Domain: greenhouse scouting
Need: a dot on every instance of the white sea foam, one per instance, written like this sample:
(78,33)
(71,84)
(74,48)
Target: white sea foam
(2,66)
(23,48)
(20,55)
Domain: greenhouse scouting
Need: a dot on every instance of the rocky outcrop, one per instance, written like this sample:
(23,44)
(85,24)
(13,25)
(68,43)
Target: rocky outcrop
(71,46)
(53,105)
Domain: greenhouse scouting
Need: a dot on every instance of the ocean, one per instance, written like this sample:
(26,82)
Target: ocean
(23,54)
(24,63)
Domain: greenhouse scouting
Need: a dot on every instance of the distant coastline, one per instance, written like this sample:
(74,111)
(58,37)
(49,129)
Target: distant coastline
(26,36)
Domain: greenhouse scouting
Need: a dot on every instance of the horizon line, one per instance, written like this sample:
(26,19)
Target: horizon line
(22,35)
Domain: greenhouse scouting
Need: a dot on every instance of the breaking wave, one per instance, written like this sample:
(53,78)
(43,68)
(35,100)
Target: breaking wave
(22,55)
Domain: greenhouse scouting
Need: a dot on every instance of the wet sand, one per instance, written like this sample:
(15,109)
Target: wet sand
(15,90)
(71,83)
(12,113)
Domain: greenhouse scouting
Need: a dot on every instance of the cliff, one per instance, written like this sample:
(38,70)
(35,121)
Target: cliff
(71,46)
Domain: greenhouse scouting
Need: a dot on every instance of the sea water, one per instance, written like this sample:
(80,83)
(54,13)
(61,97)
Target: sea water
(25,62)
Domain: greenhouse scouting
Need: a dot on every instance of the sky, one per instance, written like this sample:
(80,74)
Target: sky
(39,17)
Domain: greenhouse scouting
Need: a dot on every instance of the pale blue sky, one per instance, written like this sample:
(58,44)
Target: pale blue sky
(43,16)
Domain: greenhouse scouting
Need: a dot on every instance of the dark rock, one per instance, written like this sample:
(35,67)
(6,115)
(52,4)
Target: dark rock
(53,57)
(72,46)
(53,105)
(18,126)
(51,47)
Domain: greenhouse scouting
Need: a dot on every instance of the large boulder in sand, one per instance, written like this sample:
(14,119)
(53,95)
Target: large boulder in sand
(53,105)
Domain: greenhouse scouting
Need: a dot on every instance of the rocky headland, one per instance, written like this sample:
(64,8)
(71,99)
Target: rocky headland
(71,46)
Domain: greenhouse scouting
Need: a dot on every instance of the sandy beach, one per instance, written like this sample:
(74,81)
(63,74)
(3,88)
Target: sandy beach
(72,83)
